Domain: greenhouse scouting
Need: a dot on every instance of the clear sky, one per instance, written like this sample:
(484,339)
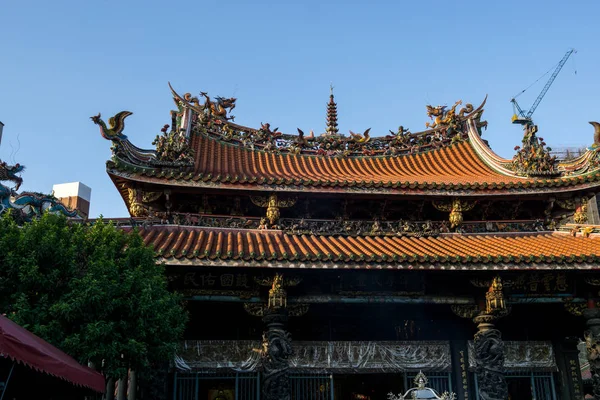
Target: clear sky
(64,61)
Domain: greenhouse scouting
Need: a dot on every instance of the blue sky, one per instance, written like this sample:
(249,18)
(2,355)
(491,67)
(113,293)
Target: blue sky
(64,61)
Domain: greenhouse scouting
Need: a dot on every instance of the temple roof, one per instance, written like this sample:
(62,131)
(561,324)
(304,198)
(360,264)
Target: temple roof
(178,245)
(206,149)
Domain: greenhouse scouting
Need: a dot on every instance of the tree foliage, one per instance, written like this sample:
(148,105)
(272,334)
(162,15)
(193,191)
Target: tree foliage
(94,291)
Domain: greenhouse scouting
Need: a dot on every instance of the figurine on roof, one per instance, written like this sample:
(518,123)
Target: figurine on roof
(220,107)
(173,146)
(533,159)
(441,117)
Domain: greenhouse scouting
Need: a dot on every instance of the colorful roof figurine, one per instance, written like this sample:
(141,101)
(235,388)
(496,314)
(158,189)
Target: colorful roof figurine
(26,205)
(204,148)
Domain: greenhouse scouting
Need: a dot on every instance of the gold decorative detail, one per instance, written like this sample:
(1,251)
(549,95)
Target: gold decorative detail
(586,231)
(273,213)
(574,308)
(273,204)
(469,311)
(277,294)
(456,208)
(579,204)
(263,224)
(149,197)
(494,298)
(580,216)
(136,208)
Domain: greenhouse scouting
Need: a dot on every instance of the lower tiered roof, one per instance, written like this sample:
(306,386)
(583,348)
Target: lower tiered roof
(185,245)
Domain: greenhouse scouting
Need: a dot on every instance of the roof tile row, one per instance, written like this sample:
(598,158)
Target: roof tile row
(173,242)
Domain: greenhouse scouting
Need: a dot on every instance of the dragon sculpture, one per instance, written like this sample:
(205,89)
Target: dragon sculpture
(28,205)
(220,107)
(596,126)
(9,173)
(172,148)
(441,117)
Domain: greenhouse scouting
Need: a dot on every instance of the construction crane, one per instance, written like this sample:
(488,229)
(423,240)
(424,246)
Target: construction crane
(520,116)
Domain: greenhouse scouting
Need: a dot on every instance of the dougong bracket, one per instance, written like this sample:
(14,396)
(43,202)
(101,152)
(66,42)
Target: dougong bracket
(272,204)
(456,207)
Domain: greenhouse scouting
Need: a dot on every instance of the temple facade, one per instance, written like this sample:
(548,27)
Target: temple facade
(330,266)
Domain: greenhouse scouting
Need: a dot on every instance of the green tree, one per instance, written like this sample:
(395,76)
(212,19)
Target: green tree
(95,291)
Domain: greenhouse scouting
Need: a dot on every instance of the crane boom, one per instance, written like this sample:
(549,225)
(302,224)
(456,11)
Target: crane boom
(519,116)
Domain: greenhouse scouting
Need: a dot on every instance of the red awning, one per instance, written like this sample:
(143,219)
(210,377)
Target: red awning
(20,345)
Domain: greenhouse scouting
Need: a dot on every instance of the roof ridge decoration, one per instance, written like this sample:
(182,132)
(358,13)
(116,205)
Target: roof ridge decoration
(172,148)
(533,159)
(212,119)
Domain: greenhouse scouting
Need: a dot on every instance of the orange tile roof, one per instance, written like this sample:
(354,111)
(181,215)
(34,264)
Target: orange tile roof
(195,245)
(453,167)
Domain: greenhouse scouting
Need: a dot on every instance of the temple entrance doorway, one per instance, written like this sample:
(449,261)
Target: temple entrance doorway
(367,386)
(528,386)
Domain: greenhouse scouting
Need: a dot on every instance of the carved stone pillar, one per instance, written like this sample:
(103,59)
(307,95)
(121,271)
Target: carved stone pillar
(276,341)
(488,345)
(489,359)
(592,341)
(277,348)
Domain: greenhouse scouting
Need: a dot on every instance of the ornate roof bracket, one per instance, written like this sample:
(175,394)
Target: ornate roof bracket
(456,207)
(272,204)
(578,204)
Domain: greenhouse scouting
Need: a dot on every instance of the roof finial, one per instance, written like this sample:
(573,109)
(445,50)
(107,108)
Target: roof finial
(332,126)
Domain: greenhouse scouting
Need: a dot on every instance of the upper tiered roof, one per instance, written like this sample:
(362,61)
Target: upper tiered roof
(206,149)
